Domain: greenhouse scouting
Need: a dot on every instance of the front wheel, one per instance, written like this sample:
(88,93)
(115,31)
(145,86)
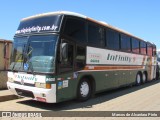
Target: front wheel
(84,90)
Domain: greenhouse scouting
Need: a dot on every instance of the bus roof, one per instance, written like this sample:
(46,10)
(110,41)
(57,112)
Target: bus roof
(84,17)
(56,13)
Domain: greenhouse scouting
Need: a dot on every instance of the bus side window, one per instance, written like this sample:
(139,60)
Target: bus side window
(149,49)
(75,29)
(135,46)
(125,43)
(154,51)
(112,40)
(143,48)
(95,35)
(80,57)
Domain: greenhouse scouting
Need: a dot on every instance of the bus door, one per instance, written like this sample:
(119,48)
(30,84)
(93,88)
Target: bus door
(65,82)
(66,57)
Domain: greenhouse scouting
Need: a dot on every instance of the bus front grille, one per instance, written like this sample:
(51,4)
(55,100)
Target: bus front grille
(24,93)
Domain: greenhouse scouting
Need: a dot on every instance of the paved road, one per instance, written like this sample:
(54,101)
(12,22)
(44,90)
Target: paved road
(138,98)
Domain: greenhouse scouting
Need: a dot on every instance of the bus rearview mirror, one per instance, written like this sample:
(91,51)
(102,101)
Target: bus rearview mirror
(64,51)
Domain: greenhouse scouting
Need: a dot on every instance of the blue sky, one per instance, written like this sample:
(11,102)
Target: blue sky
(139,17)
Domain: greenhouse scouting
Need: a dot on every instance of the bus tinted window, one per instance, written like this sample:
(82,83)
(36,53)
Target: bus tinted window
(149,49)
(112,39)
(154,51)
(75,29)
(125,43)
(80,57)
(158,56)
(143,48)
(135,46)
(95,34)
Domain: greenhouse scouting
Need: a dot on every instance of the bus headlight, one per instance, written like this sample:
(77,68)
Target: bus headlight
(10,80)
(43,85)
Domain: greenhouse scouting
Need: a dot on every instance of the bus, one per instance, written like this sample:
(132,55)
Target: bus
(63,55)
(5,51)
(158,64)
(158,57)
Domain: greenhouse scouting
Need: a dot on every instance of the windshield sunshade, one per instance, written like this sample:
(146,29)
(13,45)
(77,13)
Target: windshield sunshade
(40,24)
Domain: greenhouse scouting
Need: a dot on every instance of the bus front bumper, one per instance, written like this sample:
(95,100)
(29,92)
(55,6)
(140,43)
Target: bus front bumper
(39,94)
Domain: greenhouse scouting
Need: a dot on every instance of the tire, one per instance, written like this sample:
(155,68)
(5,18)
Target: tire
(84,90)
(144,78)
(157,75)
(138,79)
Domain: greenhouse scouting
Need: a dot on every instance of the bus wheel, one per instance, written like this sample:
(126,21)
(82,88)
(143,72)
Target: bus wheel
(144,77)
(84,90)
(138,79)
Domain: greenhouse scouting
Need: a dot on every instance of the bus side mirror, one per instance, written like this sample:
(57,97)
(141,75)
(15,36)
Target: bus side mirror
(64,51)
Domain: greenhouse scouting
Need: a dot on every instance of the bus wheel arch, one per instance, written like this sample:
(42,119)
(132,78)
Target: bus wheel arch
(88,82)
(138,80)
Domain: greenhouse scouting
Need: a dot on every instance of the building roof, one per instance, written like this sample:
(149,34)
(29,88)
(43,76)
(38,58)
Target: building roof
(4,40)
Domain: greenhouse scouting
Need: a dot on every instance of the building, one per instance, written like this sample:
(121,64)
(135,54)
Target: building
(5,53)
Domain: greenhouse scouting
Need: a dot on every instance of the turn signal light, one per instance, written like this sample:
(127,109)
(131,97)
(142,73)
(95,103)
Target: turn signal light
(43,85)
(48,86)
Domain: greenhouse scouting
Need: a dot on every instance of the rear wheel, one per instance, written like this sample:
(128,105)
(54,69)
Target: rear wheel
(84,90)
(138,79)
(144,77)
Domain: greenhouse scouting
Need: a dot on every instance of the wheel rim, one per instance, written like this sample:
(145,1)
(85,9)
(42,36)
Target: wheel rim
(84,89)
(138,79)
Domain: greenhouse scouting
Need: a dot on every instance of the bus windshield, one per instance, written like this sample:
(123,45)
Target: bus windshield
(34,53)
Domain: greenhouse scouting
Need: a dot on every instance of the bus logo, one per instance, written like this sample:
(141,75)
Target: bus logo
(94,57)
(22,82)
